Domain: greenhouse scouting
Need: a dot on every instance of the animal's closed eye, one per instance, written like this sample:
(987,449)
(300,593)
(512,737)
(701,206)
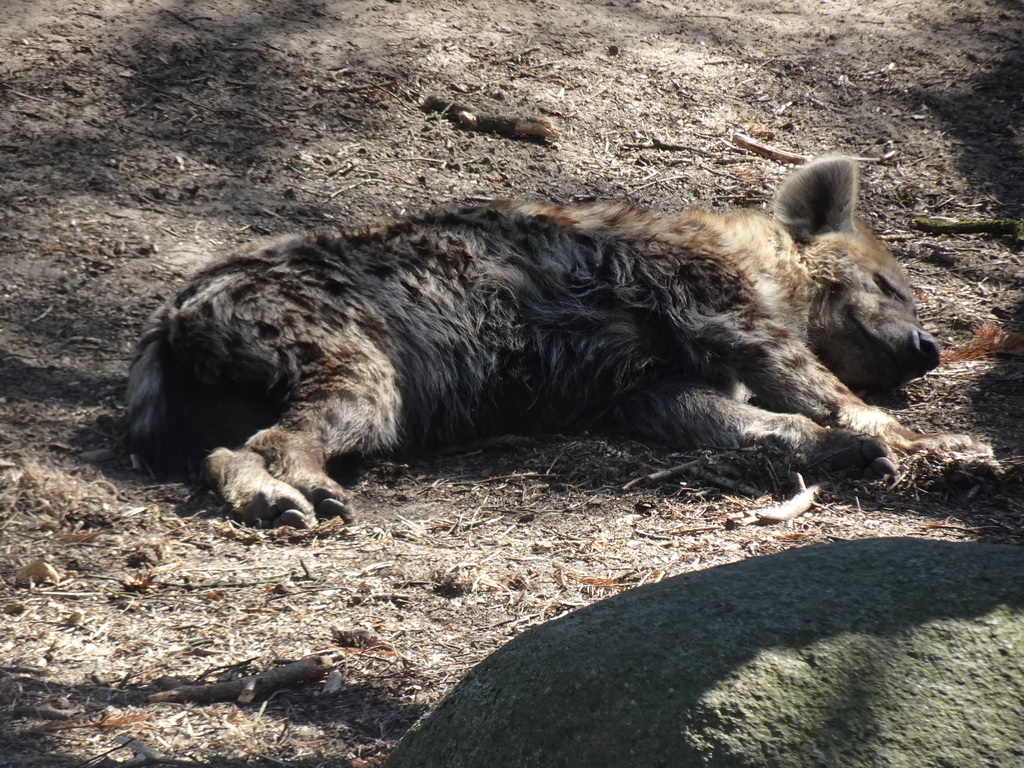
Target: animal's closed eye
(891,290)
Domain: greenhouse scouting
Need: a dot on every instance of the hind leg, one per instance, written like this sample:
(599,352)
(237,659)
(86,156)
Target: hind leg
(259,498)
(278,477)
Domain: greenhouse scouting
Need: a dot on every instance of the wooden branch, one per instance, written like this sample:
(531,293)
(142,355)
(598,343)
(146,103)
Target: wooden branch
(743,141)
(664,474)
(695,469)
(182,19)
(43,712)
(657,143)
(140,748)
(535,128)
(246,689)
(790,509)
(995,227)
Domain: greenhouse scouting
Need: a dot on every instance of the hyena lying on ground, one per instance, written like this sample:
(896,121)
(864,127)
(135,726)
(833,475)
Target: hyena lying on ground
(525,316)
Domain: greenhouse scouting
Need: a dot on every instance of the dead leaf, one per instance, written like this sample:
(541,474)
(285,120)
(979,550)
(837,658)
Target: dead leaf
(143,584)
(989,340)
(38,572)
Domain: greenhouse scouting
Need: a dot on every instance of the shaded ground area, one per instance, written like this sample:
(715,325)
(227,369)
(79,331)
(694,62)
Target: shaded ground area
(138,137)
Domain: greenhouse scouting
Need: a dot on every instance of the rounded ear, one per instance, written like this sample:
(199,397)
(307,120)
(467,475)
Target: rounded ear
(818,198)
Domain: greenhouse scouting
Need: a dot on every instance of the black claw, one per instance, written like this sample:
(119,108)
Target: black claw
(881,467)
(256,511)
(335,508)
(246,515)
(293,517)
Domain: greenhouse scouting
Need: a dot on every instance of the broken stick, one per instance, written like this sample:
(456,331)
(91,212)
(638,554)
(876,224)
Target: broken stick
(536,128)
(246,689)
(790,509)
(743,141)
(663,474)
(695,469)
(43,712)
(995,227)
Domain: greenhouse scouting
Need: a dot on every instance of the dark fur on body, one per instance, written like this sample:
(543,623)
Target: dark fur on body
(530,317)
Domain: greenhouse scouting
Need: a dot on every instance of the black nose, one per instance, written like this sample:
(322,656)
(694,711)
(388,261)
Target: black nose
(925,350)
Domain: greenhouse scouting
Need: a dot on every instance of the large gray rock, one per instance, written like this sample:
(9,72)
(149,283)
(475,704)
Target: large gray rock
(893,653)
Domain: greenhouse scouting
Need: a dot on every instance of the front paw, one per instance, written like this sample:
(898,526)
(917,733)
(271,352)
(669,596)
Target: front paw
(842,449)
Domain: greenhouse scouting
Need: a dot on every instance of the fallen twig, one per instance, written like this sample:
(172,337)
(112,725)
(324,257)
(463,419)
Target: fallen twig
(657,143)
(246,689)
(182,19)
(663,474)
(140,749)
(1013,228)
(696,469)
(790,509)
(743,141)
(144,756)
(43,712)
(535,128)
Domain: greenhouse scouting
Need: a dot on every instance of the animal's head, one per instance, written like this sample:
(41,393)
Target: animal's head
(863,324)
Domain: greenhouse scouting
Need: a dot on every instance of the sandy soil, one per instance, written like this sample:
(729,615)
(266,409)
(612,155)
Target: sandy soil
(138,137)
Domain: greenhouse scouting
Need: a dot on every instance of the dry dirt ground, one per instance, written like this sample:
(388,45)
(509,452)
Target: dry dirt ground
(137,137)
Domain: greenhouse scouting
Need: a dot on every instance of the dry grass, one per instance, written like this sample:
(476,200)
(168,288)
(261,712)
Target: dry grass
(402,606)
